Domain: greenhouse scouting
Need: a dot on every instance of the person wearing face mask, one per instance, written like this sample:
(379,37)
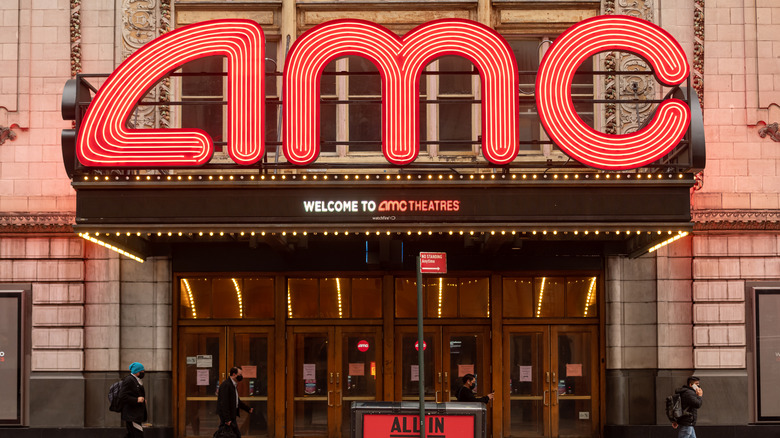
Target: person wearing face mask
(466,392)
(228,402)
(690,401)
(133,399)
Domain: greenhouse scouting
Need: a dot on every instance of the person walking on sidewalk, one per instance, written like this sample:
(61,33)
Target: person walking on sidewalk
(133,398)
(466,392)
(228,402)
(690,402)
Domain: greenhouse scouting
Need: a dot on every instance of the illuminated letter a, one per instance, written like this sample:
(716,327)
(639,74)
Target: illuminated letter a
(104,138)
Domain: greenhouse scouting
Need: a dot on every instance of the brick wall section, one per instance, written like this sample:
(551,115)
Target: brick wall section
(32,177)
(631,313)
(145,313)
(101,351)
(675,326)
(723,265)
(55,268)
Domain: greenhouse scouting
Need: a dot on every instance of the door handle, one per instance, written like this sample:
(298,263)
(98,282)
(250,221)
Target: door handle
(555,403)
(337,378)
(438,400)
(330,393)
(547,377)
(439,377)
(545,397)
(446,378)
(331,377)
(338,398)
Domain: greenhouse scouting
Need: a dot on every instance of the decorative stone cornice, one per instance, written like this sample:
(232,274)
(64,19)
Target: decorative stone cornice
(736,220)
(770,131)
(37,222)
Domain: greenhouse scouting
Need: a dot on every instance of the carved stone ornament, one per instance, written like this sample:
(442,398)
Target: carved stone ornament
(770,131)
(6,134)
(735,220)
(41,223)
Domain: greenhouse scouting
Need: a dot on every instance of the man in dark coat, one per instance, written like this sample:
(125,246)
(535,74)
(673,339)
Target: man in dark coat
(466,392)
(133,399)
(690,402)
(228,401)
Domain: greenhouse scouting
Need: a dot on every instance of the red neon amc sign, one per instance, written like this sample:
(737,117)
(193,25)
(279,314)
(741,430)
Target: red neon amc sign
(104,139)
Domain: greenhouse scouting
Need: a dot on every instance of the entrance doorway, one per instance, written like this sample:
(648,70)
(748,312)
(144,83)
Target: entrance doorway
(328,368)
(205,357)
(450,353)
(552,372)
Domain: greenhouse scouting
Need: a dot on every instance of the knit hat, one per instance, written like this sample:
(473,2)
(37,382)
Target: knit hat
(136,367)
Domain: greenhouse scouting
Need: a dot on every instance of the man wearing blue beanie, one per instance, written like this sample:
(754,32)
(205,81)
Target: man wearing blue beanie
(133,399)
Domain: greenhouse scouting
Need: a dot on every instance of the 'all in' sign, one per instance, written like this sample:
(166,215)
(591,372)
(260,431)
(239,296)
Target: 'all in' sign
(402,426)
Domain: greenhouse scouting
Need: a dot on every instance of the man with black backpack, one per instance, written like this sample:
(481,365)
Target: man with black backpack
(690,400)
(132,398)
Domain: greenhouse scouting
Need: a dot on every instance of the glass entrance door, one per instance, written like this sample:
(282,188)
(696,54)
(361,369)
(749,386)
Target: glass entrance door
(450,353)
(205,357)
(328,369)
(553,381)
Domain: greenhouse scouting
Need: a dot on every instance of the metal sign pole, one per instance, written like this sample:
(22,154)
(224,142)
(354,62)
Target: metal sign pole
(421,346)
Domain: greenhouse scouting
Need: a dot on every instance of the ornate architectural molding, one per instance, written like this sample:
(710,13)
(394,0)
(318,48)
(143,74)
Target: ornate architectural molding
(698,49)
(75,37)
(770,131)
(627,117)
(736,220)
(37,222)
(143,21)
(6,133)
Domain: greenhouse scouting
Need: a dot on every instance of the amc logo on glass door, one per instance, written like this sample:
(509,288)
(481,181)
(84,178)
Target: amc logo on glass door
(400,426)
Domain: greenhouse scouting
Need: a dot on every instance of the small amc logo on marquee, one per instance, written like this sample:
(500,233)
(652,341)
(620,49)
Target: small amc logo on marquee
(402,426)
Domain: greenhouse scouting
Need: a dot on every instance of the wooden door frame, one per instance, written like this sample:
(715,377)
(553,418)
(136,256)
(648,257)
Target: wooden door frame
(398,357)
(486,377)
(179,382)
(230,362)
(290,334)
(507,368)
(594,370)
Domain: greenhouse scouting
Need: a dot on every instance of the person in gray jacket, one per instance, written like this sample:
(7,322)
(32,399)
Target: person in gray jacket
(690,401)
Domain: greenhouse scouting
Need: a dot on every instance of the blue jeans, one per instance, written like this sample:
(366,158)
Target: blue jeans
(686,432)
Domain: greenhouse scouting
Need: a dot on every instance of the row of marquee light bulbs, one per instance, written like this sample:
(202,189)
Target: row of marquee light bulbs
(87,236)
(358,177)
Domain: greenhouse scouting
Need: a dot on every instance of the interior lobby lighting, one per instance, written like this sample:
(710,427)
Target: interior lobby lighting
(541,297)
(338,292)
(668,241)
(111,247)
(240,299)
(591,296)
(191,299)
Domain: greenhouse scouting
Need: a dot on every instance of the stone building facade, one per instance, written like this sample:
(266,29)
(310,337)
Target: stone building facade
(685,309)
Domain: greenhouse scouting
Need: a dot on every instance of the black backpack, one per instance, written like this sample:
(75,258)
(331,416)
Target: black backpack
(674,408)
(113,397)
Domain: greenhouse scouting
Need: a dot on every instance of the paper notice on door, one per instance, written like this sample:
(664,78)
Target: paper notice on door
(250,371)
(203,361)
(526,373)
(415,373)
(357,369)
(310,371)
(192,360)
(202,378)
(573,370)
(465,369)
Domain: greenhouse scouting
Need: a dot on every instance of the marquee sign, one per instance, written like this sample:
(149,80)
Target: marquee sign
(104,140)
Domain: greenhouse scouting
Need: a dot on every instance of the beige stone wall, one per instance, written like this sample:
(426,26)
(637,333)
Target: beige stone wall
(35,41)
(741,188)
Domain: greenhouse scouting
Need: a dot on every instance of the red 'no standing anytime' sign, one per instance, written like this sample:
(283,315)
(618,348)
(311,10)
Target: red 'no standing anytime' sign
(433,262)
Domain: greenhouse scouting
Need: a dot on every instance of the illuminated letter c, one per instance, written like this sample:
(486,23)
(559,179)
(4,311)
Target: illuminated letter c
(105,139)
(554,95)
